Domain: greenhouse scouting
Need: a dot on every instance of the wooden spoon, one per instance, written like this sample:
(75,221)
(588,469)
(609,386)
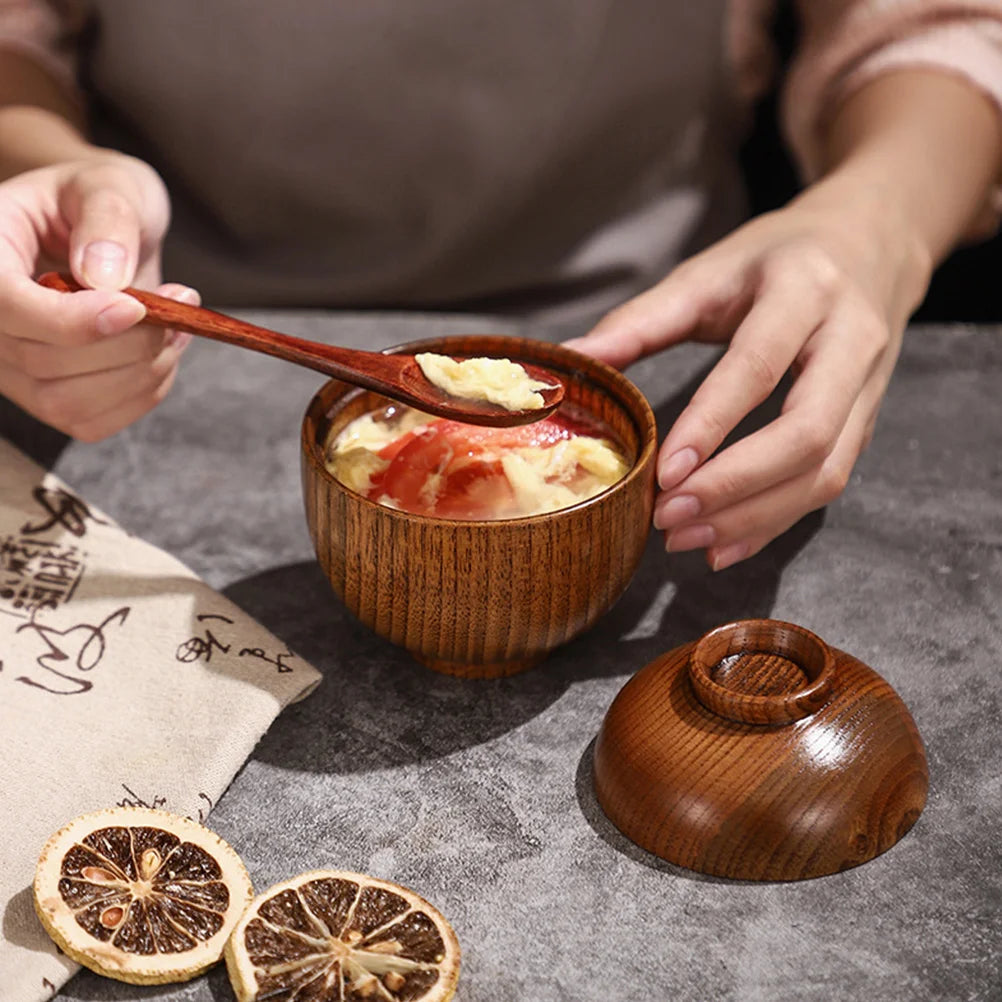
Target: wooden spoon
(396,376)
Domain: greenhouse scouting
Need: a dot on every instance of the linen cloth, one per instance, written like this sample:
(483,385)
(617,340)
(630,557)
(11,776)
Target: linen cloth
(124,680)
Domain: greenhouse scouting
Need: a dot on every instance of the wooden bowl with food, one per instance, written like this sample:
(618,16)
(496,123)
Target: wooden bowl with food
(480,550)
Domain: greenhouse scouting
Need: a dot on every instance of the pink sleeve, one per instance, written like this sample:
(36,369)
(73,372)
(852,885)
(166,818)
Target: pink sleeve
(848,42)
(38,30)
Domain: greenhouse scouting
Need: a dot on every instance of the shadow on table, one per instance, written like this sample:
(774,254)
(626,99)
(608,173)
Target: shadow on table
(42,443)
(89,987)
(377,708)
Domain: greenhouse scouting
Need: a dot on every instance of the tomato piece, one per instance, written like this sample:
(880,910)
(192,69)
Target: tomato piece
(478,489)
(425,454)
(478,438)
(466,456)
(390,450)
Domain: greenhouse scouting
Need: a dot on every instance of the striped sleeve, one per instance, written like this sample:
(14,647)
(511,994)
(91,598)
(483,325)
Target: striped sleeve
(846,43)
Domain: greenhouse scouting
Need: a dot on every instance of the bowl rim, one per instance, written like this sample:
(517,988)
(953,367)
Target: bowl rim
(646,430)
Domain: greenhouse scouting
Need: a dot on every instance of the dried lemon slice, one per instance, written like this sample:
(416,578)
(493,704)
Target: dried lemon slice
(342,937)
(140,895)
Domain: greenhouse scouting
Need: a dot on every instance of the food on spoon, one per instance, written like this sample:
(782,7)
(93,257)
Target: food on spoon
(140,895)
(496,380)
(404,459)
(330,934)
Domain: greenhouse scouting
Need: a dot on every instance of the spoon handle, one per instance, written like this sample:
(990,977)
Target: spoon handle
(393,375)
(374,370)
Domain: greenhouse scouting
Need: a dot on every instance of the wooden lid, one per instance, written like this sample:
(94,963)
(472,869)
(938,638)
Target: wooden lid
(758,752)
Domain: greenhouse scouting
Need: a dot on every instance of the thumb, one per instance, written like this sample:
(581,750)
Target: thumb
(105,229)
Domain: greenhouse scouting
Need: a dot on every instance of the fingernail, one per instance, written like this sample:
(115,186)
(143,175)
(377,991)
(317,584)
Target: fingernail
(729,555)
(103,265)
(675,511)
(677,467)
(692,537)
(124,312)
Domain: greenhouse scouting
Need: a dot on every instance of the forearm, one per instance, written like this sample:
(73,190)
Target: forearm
(40,124)
(916,153)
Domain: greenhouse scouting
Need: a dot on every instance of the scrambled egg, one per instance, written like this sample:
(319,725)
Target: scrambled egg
(497,380)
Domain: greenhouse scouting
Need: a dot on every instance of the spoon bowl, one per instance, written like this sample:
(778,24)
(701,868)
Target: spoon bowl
(396,376)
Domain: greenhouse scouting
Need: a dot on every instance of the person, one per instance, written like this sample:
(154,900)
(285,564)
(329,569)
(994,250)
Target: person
(518,157)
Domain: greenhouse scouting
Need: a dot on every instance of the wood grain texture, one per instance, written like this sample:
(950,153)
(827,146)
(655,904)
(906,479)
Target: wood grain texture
(484,598)
(760,753)
(396,375)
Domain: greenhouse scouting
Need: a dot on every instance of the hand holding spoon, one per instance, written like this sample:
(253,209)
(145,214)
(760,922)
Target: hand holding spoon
(396,376)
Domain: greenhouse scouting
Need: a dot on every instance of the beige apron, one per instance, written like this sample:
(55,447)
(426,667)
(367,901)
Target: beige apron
(517,155)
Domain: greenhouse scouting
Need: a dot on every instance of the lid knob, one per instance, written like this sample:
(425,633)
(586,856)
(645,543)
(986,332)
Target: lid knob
(761,672)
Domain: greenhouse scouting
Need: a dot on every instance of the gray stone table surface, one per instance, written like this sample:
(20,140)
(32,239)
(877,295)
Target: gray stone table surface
(478,794)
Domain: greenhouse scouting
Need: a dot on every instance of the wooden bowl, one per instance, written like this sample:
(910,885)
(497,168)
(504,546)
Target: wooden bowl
(760,753)
(484,598)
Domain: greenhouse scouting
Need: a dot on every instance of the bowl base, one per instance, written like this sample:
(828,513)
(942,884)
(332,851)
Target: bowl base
(493,669)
